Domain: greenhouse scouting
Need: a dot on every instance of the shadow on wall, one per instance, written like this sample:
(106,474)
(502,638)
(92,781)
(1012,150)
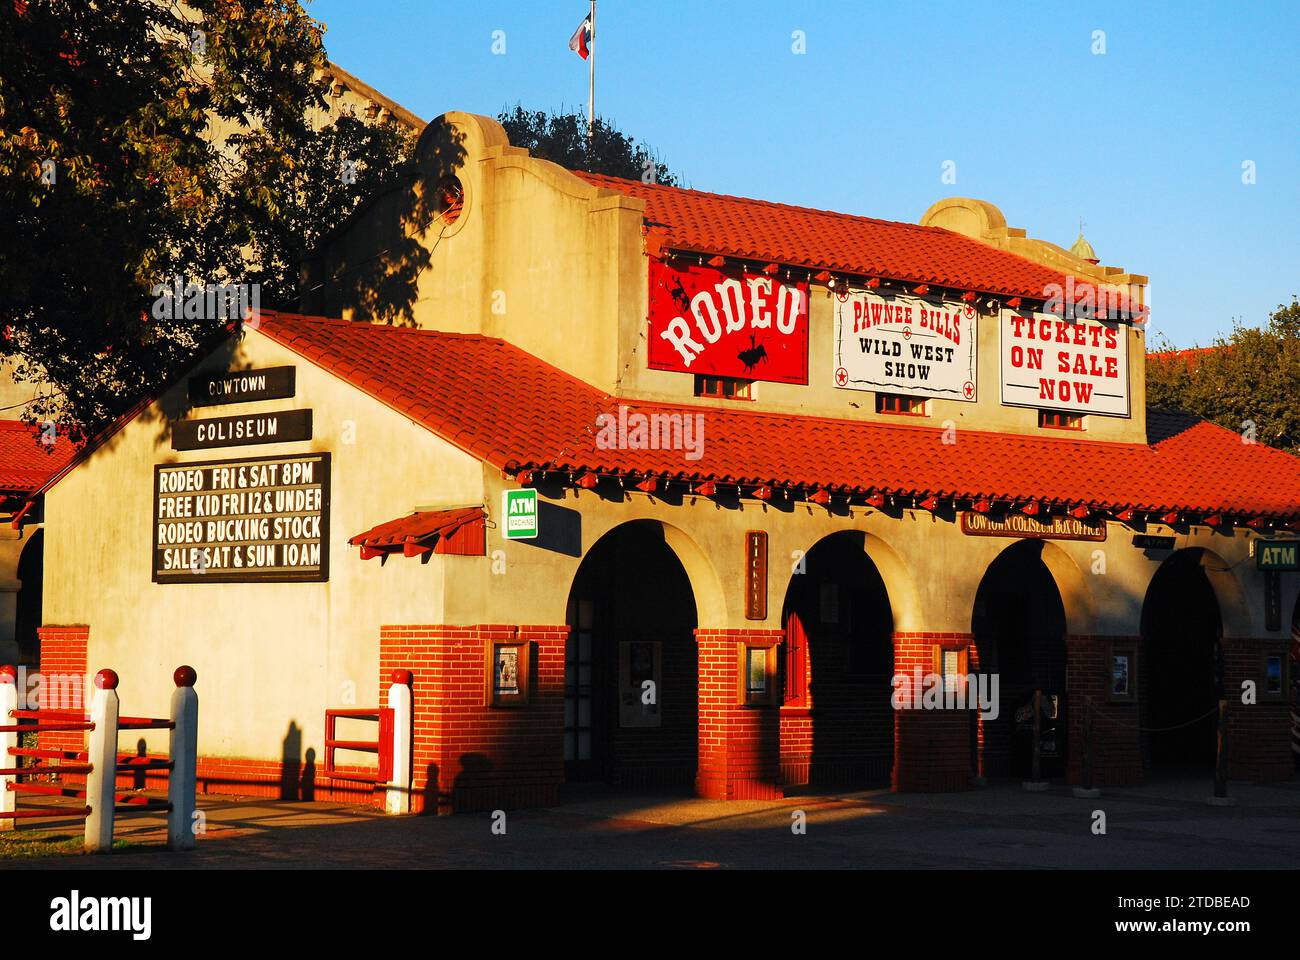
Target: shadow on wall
(376,273)
(297,772)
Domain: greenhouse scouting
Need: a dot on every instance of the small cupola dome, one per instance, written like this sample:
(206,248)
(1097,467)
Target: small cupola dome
(1083,249)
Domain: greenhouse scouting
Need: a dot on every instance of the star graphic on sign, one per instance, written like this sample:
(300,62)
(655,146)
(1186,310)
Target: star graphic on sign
(841,376)
(969,389)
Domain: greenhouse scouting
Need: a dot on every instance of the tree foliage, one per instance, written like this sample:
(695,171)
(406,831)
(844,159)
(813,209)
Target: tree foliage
(1247,380)
(562,138)
(141,142)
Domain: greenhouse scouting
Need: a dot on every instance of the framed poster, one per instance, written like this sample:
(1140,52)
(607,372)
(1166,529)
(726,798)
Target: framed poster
(905,344)
(509,666)
(757,674)
(1123,674)
(640,672)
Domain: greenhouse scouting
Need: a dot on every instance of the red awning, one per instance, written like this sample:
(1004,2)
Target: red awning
(460,532)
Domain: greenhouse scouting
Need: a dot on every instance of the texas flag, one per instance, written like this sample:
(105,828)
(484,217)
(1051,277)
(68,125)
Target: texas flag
(580,42)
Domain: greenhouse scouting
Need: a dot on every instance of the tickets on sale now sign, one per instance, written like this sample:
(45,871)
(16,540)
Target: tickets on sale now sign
(904,345)
(1053,364)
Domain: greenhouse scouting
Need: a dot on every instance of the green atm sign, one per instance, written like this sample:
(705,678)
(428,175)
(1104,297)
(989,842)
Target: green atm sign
(519,507)
(1277,554)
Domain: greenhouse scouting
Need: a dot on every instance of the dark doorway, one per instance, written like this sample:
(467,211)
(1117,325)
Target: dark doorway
(632,622)
(31,566)
(1018,626)
(837,725)
(1180,676)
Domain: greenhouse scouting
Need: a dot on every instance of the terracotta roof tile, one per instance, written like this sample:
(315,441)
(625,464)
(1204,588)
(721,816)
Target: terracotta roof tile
(824,239)
(25,462)
(452,384)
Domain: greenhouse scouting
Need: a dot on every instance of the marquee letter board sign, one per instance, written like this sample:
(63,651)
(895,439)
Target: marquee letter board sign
(242,386)
(905,345)
(1053,364)
(728,323)
(255,520)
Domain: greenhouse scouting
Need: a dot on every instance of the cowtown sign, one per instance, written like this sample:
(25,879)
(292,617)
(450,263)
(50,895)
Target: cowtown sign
(1020,525)
(244,386)
(1054,364)
(905,345)
(727,324)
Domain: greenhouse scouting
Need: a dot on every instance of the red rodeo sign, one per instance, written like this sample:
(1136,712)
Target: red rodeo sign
(728,324)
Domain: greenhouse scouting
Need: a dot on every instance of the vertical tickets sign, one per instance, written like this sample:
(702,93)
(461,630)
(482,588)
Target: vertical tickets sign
(264,519)
(1053,364)
(727,324)
(905,345)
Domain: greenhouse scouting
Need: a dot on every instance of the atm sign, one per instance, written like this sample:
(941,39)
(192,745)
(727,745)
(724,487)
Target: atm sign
(1277,554)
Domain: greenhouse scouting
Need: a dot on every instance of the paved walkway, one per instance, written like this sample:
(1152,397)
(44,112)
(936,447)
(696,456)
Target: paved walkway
(1166,824)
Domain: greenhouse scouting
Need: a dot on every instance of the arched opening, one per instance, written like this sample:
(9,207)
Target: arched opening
(1180,671)
(837,725)
(1295,682)
(1018,629)
(631,666)
(27,615)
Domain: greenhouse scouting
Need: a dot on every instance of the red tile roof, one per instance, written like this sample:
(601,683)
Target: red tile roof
(25,462)
(422,531)
(512,410)
(823,239)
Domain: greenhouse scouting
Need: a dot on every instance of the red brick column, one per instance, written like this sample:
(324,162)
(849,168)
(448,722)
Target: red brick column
(932,748)
(740,747)
(1259,734)
(64,678)
(1116,737)
(468,755)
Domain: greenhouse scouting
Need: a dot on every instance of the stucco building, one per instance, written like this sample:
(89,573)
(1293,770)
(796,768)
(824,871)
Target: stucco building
(658,487)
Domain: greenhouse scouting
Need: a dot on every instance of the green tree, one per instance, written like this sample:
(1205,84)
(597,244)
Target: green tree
(1251,378)
(562,139)
(142,142)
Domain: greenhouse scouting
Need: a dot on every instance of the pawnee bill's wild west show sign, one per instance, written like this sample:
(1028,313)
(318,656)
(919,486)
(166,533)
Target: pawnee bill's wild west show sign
(728,324)
(905,345)
(1055,364)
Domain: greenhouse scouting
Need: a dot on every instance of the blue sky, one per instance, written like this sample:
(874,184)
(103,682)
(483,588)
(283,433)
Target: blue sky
(1145,142)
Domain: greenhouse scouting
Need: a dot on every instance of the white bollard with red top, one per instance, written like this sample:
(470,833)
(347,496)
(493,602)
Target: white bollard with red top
(182,783)
(101,782)
(398,798)
(8,740)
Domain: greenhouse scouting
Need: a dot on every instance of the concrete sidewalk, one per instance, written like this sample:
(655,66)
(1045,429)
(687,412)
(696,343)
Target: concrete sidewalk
(1165,824)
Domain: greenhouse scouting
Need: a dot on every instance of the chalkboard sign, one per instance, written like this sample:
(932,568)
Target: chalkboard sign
(263,519)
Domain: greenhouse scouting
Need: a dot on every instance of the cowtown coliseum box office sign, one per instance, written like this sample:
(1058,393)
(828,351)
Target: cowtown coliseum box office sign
(904,345)
(727,324)
(262,519)
(1077,366)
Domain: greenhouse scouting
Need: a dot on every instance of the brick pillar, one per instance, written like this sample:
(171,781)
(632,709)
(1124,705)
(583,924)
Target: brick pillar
(740,746)
(466,754)
(1116,737)
(932,748)
(1259,734)
(64,675)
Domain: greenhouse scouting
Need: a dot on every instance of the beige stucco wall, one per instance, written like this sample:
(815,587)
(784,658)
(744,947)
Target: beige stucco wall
(931,569)
(559,268)
(267,654)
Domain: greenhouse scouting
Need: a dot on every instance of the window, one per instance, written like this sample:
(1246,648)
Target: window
(796,662)
(723,388)
(1055,420)
(899,404)
(1123,674)
(1276,682)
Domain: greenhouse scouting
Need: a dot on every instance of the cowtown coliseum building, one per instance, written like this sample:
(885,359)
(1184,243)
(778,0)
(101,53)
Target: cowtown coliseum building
(780,456)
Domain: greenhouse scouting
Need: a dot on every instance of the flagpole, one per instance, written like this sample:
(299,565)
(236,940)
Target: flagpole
(591,78)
